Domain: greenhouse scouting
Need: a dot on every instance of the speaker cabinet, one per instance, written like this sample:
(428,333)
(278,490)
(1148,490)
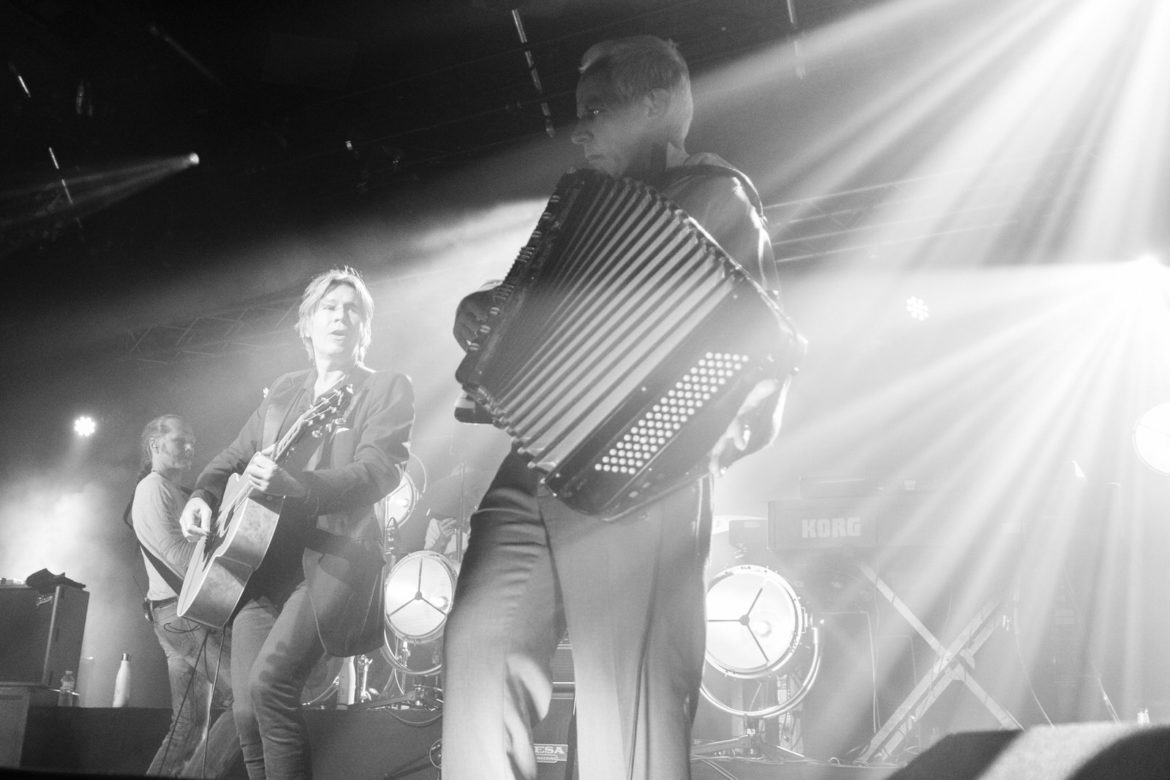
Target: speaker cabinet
(373,743)
(42,633)
(1082,751)
(554,739)
(840,714)
(94,740)
(15,703)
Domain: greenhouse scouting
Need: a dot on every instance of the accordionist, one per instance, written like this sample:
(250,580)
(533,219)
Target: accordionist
(628,588)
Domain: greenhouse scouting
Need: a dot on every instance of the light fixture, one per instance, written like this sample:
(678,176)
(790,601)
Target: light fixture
(917,308)
(1151,438)
(84,426)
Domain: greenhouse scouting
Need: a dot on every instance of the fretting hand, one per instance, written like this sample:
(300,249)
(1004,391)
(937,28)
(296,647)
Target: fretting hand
(266,475)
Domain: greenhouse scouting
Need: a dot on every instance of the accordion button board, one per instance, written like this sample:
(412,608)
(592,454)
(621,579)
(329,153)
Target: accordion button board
(621,345)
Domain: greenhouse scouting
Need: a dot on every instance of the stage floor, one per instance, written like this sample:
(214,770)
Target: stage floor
(381,744)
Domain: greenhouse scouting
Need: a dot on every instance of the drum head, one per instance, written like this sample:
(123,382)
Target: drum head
(754,621)
(398,503)
(418,595)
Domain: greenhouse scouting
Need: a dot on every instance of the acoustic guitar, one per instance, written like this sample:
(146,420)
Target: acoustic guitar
(226,558)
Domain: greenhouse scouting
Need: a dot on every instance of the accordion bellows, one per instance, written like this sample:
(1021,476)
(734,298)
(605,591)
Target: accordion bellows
(621,344)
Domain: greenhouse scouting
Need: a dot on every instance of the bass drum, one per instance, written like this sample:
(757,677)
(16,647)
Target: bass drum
(418,596)
(755,621)
(763,652)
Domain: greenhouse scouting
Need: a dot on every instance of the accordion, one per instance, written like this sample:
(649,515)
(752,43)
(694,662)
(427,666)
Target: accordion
(621,344)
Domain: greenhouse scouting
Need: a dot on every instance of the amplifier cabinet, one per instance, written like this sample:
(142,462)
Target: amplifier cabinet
(555,741)
(42,633)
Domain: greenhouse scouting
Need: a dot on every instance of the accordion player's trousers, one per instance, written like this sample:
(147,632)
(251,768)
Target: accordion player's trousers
(630,593)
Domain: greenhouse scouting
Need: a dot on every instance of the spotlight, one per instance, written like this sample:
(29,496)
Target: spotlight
(917,308)
(84,426)
(192,159)
(1151,438)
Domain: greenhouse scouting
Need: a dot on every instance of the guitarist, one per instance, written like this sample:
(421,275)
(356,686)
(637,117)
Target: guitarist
(196,655)
(319,587)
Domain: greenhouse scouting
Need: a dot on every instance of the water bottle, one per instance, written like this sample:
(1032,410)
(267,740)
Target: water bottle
(346,678)
(66,695)
(122,682)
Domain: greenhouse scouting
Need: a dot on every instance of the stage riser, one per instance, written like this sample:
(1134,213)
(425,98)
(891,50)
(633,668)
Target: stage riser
(346,745)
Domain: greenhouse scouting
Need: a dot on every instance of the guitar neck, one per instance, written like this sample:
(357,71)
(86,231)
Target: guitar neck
(318,419)
(282,448)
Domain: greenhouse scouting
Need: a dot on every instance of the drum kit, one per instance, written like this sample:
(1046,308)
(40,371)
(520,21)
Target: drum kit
(763,650)
(758,631)
(419,587)
(763,655)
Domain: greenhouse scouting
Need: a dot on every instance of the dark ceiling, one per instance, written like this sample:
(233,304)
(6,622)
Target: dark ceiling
(303,113)
(299,112)
(296,109)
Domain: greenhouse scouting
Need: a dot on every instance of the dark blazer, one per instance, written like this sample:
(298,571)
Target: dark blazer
(356,465)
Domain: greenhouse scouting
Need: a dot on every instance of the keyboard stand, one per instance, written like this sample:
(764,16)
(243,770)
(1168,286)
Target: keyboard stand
(955,663)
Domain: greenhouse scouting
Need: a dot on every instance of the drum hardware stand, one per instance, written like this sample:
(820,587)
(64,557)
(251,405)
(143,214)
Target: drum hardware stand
(363,667)
(955,663)
(418,695)
(751,742)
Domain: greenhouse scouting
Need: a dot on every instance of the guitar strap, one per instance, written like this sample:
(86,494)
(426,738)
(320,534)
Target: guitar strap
(280,409)
(356,380)
(164,571)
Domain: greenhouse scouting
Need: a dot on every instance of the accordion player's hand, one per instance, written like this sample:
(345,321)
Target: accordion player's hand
(735,440)
(470,315)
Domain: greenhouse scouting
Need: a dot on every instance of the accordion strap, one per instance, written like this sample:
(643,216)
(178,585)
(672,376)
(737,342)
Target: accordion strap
(674,175)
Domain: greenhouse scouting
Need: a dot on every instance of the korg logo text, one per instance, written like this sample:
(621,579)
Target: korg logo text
(829,527)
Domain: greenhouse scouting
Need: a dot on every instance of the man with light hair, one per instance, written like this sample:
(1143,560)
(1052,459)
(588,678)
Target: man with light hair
(628,588)
(318,588)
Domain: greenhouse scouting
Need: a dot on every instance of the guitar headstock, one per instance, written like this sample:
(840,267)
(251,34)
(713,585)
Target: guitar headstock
(325,415)
(328,411)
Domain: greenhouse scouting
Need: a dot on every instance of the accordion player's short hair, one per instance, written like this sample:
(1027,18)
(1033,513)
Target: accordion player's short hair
(636,65)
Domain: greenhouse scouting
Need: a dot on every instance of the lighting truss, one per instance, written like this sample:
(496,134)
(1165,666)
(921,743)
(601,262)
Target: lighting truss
(250,327)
